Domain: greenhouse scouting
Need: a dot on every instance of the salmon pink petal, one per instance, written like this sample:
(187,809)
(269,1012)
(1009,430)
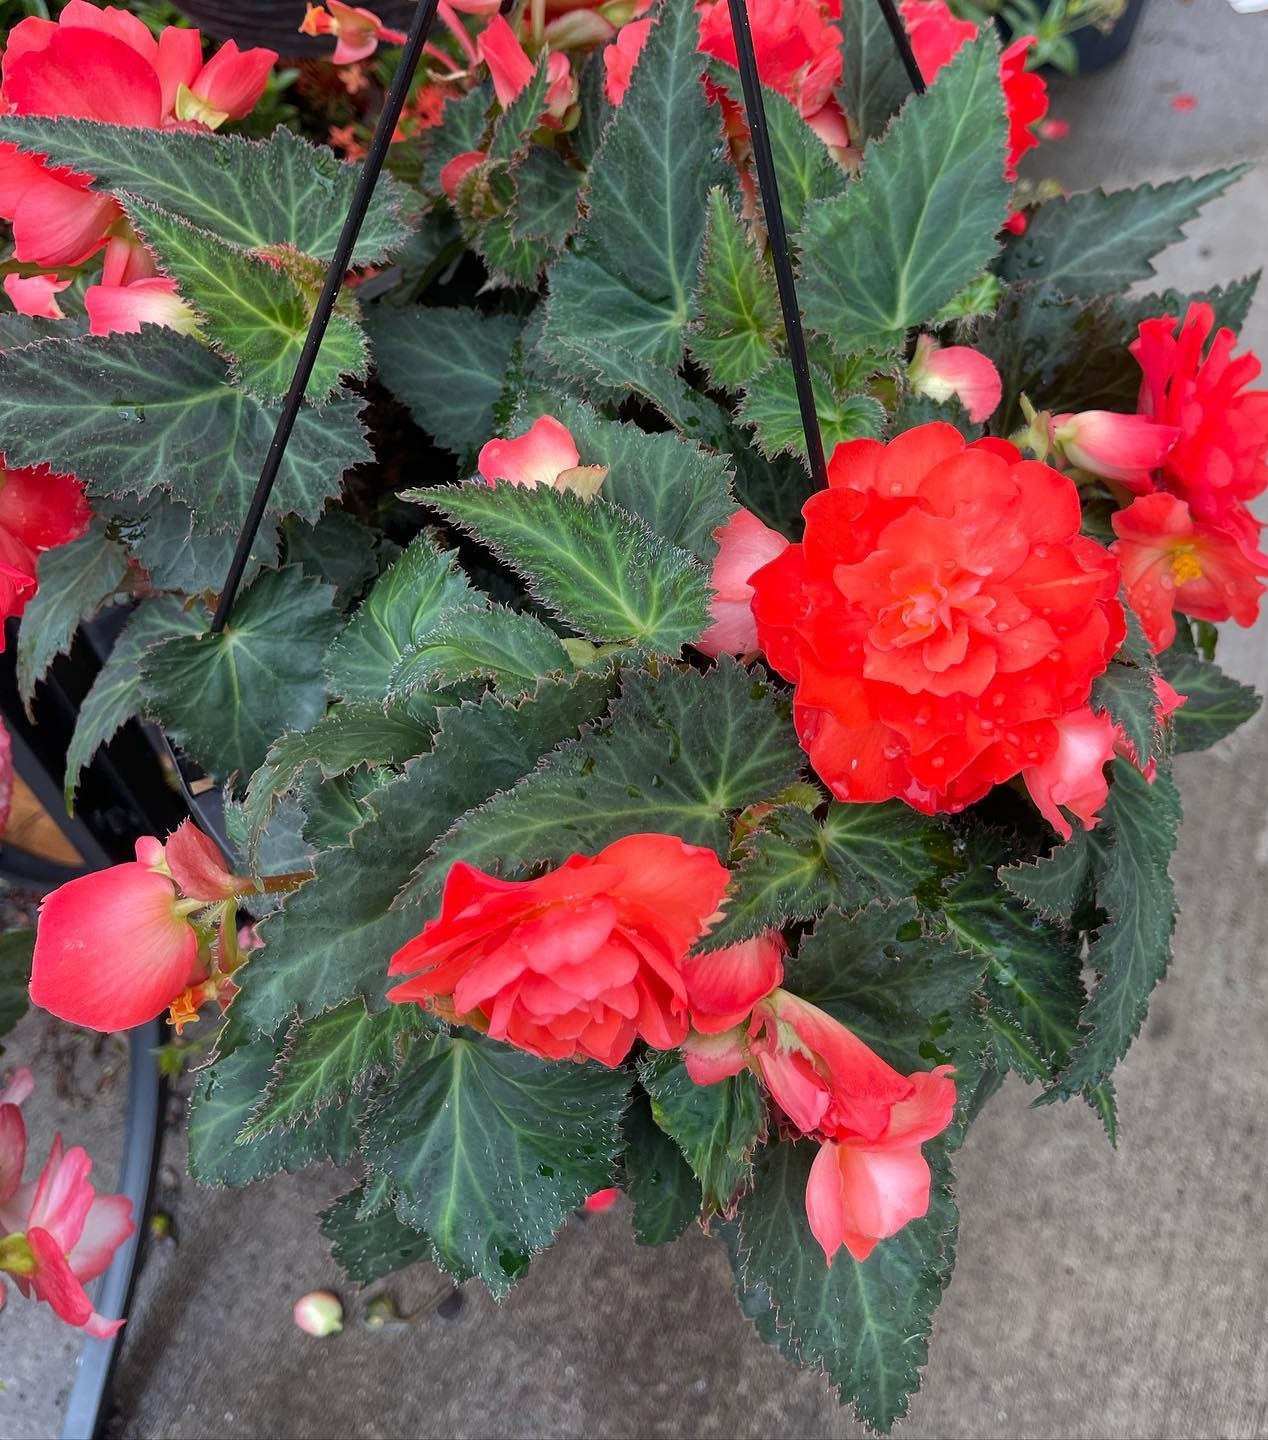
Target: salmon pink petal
(123,309)
(233,80)
(57,222)
(620,58)
(508,61)
(179,59)
(710,1058)
(537,457)
(88,75)
(1073,777)
(111,20)
(108,1225)
(724,985)
(744,546)
(681,884)
(825,1208)
(12,1151)
(54,1281)
(1126,448)
(63,1196)
(881,1191)
(110,950)
(959,372)
(927,1112)
(36,295)
(199,868)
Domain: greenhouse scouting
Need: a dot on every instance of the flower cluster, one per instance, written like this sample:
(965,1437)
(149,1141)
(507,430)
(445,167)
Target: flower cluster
(123,945)
(56,1232)
(105,65)
(1187,464)
(588,958)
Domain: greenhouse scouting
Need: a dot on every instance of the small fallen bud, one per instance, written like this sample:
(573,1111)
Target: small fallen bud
(601,1200)
(319,1313)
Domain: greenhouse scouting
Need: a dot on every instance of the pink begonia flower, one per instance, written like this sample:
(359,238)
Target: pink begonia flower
(744,546)
(869,1179)
(116,948)
(941,372)
(356,29)
(1125,448)
(1073,777)
(123,309)
(601,1200)
(36,295)
(724,985)
(861,1192)
(56,1232)
(538,457)
(103,64)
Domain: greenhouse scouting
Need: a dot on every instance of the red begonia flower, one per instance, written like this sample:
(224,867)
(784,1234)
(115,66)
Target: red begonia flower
(1125,448)
(36,295)
(56,1232)
(959,371)
(744,546)
(940,615)
(1073,776)
(112,950)
(578,962)
(1220,458)
(1173,561)
(509,63)
(936,37)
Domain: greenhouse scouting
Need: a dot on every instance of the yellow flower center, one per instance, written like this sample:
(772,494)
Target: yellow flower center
(1185,565)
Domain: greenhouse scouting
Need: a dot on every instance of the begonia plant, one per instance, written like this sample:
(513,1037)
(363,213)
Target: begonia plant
(621,804)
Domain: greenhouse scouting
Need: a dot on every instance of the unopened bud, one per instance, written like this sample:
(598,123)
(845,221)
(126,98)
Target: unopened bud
(319,1313)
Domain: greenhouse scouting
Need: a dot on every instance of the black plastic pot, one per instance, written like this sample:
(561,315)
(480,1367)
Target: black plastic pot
(275,23)
(1098,49)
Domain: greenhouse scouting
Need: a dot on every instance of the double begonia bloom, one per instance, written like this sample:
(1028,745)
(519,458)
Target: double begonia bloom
(936,37)
(56,1232)
(945,372)
(104,64)
(744,546)
(117,948)
(1128,449)
(38,510)
(940,615)
(357,31)
(1173,561)
(578,962)
(869,1178)
(1220,458)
